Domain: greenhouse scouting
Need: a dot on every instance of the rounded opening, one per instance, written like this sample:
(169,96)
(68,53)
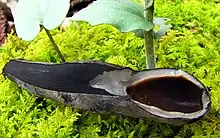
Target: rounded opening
(176,94)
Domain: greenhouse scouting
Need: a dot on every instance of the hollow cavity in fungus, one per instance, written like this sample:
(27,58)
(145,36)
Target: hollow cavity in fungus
(172,94)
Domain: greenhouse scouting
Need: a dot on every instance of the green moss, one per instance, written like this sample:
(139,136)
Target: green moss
(193,45)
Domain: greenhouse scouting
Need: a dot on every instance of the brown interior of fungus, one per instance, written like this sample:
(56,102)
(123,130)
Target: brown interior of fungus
(168,93)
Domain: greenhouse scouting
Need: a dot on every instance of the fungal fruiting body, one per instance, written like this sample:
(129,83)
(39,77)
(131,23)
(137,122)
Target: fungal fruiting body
(167,95)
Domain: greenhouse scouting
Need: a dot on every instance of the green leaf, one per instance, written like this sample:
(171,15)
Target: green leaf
(163,27)
(30,14)
(123,14)
(158,33)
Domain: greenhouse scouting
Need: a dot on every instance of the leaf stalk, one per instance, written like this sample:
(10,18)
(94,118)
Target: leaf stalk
(56,48)
(149,36)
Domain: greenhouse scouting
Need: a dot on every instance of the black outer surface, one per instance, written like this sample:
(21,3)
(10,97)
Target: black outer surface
(66,77)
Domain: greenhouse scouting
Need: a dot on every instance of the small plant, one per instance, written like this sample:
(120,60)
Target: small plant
(30,16)
(127,16)
(124,15)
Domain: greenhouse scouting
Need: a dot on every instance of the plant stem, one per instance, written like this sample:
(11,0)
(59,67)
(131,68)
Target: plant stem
(148,35)
(56,48)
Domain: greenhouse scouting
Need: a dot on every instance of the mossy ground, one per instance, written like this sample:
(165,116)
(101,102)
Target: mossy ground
(192,44)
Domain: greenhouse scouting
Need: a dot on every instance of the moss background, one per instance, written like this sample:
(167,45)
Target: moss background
(192,44)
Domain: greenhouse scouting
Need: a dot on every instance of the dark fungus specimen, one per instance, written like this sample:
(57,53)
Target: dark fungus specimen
(167,95)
